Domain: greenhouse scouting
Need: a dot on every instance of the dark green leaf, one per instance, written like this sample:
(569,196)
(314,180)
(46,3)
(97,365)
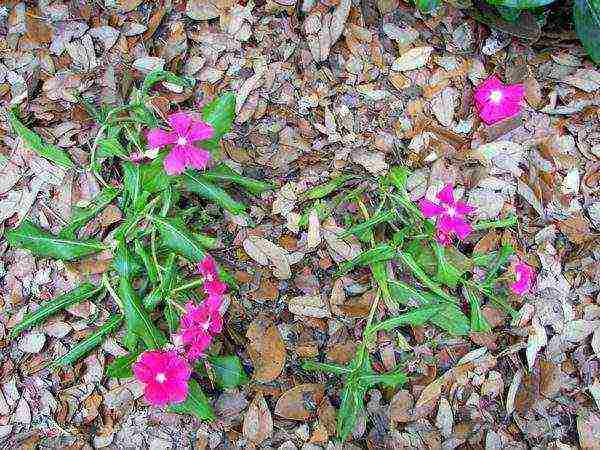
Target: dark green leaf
(520,4)
(586,16)
(446,273)
(416,317)
(86,345)
(427,5)
(81,216)
(35,142)
(121,366)
(391,379)
(501,258)
(382,252)
(154,177)
(478,321)
(386,216)
(79,294)
(351,404)
(228,371)
(41,243)
(138,320)
(398,176)
(132,183)
(197,183)
(224,173)
(220,114)
(196,403)
(125,263)
(325,189)
(111,146)
(158,75)
(144,254)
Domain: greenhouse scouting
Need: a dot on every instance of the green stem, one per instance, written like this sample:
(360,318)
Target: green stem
(111,291)
(501,223)
(190,285)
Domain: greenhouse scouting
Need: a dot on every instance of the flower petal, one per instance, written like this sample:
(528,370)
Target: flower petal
(462,228)
(429,209)
(463,208)
(180,122)
(156,394)
(177,389)
(197,157)
(148,364)
(446,195)
(199,131)
(158,138)
(175,161)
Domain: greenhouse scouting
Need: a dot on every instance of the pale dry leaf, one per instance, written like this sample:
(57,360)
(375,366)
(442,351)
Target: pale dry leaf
(588,428)
(264,252)
(587,80)
(445,418)
(512,391)
(309,306)
(202,9)
(32,342)
(415,58)
(314,230)
(501,157)
(578,330)
(537,340)
(373,162)
(147,64)
(596,342)
(258,423)
(22,413)
(444,105)
(339,249)
(401,407)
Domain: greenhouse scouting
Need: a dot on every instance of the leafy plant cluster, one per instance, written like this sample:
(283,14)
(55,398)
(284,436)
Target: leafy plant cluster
(446,290)
(586,17)
(151,246)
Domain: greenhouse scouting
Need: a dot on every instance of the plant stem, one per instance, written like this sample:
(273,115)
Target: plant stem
(190,285)
(111,291)
(501,223)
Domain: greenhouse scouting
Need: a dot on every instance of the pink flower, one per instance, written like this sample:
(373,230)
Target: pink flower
(524,276)
(212,284)
(185,132)
(199,324)
(496,101)
(450,214)
(165,375)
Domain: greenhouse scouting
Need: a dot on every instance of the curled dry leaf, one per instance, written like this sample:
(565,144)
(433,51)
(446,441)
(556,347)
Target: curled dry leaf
(309,306)
(501,157)
(414,58)
(300,402)
(323,30)
(264,252)
(266,349)
(258,423)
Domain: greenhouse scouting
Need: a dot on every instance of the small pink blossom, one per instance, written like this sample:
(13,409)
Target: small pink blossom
(212,284)
(165,375)
(450,215)
(524,276)
(185,132)
(199,324)
(496,101)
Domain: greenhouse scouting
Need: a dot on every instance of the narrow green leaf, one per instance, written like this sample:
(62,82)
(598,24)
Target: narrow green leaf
(228,370)
(478,321)
(197,183)
(427,5)
(520,4)
(138,320)
(391,379)
(121,366)
(351,404)
(35,142)
(325,189)
(586,16)
(86,345)
(132,183)
(386,216)
(77,295)
(502,258)
(125,263)
(144,254)
(446,274)
(220,114)
(382,252)
(154,177)
(415,317)
(224,173)
(81,216)
(420,274)
(111,146)
(41,243)
(196,403)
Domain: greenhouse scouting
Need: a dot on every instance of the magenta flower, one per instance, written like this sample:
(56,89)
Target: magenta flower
(199,324)
(185,132)
(524,276)
(165,375)
(496,101)
(450,215)
(212,284)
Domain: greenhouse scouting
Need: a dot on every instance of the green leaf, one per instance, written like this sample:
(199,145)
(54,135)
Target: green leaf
(427,5)
(586,16)
(390,379)
(144,254)
(79,294)
(446,273)
(398,176)
(416,317)
(478,321)
(81,216)
(420,274)
(138,320)
(520,4)
(111,146)
(196,403)
(449,318)
(224,173)
(501,258)
(325,189)
(125,263)
(386,216)
(35,142)
(86,345)
(228,371)
(121,366)
(220,114)
(351,404)
(132,183)
(509,14)
(154,177)
(382,252)
(41,243)
(197,183)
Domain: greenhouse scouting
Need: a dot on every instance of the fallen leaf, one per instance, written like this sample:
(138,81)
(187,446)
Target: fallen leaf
(266,349)
(301,402)
(264,252)
(414,58)
(310,306)
(258,423)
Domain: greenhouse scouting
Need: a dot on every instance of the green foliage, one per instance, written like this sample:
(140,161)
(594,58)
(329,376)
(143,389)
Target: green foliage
(121,366)
(586,16)
(228,371)
(41,243)
(195,182)
(220,114)
(427,5)
(35,143)
(324,190)
(196,403)
(77,295)
(81,216)
(224,173)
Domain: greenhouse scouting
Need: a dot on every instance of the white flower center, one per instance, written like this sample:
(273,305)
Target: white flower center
(160,377)
(496,96)
(451,211)
(182,141)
